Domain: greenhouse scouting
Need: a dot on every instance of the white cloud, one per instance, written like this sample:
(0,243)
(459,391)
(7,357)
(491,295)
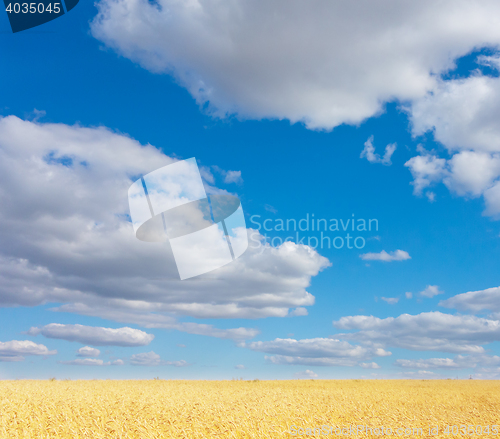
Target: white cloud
(371,365)
(206,174)
(408,295)
(308,361)
(431,363)
(11,358)
(16,350)
(398,255)
(153,359)
(239,366)
(431,196)
(63,192)
(315,352)
(475,301)
(139,316)
(487,374)
(306,374)
(459,362)
(270,208)
(84,362)
(178,363)
(472,173)
(300,311)
(390,300)
(145,359)
(92,362)
(95,336)
(87,351)
(431,291)
(324,63)
(372,157)
(229,176)
(430,331)
(426,170)
(233,177)
(467,173)
(462,114)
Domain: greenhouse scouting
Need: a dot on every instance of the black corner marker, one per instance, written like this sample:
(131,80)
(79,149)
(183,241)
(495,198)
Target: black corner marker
(27,14)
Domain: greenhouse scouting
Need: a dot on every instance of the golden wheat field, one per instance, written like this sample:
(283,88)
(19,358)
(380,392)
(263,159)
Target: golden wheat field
(247,409)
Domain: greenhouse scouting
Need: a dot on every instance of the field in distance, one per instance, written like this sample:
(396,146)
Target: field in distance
(248,409)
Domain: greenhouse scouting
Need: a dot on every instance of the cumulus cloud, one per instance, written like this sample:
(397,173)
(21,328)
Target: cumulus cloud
(462,114)
(323,63)
(16,350)
(153,359)
(306,374)
(228,69)
(95,336)
(426,170)
(63,192)
(398,255)
(87,351)
(408,295)
(475,301)
(430,331)
(372,157)
(431,291)
(315,352)
(239,367)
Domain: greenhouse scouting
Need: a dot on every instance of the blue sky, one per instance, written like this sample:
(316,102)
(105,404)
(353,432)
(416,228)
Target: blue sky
(293,116)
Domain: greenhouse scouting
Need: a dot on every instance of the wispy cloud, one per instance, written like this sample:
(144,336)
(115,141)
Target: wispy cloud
(306,374)
(87,351)
(92,362)
(153,359)
(431,291)
(398,255)
(16,350)
(371,365)
(373,157)
(94,336)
